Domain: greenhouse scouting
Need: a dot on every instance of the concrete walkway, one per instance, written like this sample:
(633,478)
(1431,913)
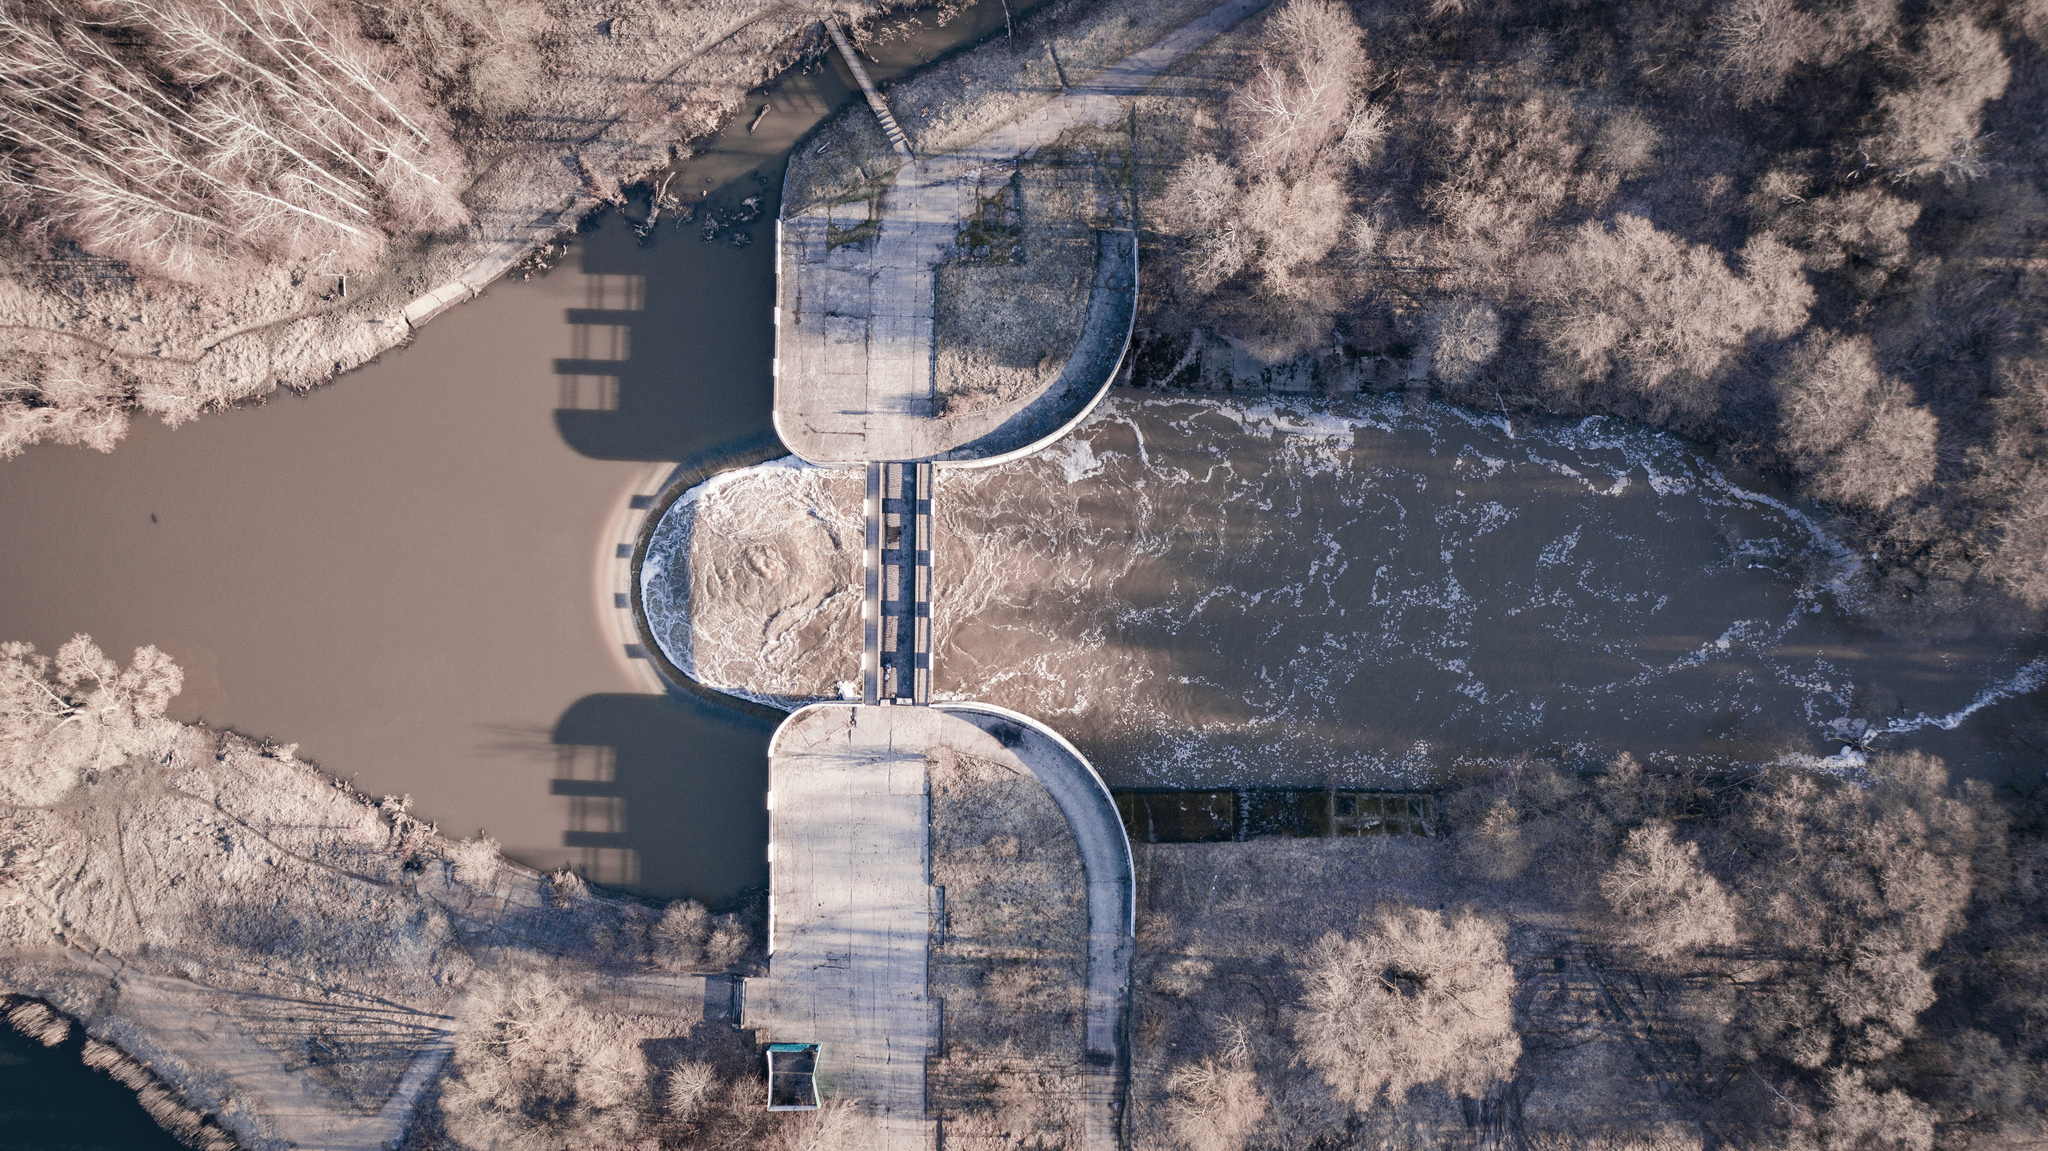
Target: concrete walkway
(855,341)
(850,907)
(1112,899)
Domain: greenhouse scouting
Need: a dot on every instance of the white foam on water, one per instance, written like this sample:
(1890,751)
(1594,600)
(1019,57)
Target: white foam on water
(2026,679)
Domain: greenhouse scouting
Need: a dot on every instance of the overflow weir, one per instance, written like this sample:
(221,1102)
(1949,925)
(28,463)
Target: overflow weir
(860,323)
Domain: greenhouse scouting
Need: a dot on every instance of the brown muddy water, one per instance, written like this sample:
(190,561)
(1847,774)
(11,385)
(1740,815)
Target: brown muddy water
(405,573)
(1218,592)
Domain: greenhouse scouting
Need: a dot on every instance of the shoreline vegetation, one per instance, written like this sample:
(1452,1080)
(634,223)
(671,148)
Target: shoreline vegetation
(1806,233)
(1588,953)
(1802,231)
(206,200)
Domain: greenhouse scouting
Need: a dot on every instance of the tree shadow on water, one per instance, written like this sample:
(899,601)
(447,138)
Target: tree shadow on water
(667,794)
(672,352)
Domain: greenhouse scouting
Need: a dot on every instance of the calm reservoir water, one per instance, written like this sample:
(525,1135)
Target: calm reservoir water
(404,573)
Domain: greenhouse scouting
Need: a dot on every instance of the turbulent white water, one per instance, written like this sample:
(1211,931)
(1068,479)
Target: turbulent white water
(1206,591)
(752,582)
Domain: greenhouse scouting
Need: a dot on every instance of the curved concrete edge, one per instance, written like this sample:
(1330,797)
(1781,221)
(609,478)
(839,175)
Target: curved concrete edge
(1084,799)
(686,475)
(616,575)
(1106,860)
(1087,409)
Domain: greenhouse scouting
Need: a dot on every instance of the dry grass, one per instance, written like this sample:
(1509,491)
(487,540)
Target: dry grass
(264,919)
(1011,302)
(1011,962)
(1608,957)
(226,169)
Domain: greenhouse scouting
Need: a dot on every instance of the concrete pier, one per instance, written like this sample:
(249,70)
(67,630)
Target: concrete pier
(852,909)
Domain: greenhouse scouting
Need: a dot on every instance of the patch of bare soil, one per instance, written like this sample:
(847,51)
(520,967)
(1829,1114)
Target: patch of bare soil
(1010,959)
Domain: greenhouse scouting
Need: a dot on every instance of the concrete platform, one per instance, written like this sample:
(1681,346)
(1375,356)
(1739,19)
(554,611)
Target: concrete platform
(854,335)
(851,907)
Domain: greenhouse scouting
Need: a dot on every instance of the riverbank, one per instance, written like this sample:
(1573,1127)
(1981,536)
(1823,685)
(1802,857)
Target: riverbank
(92,340)
(297,964)
(1590,961)
(1190,583)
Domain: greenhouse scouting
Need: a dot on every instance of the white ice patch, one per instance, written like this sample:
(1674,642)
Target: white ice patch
(1559,550)
(2026,679)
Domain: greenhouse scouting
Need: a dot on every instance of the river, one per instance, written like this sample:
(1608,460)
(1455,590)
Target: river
(1216,591)
(402,574)
(405,573)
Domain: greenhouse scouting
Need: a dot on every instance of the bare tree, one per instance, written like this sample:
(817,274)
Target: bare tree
(1297,101)
(1648,318)
(1933,127)
(1758,43)
(1666,901)
(534,1069)
(184,136)
(1857,435)
(1412,997)
(79,712)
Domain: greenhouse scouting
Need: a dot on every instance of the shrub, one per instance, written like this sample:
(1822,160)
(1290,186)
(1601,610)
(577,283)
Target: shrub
(1464,336)
(1412,997)
(1505,170)
(1297,100)
(1627,144)
(1215,1104)
(1648,320)
(690,1088)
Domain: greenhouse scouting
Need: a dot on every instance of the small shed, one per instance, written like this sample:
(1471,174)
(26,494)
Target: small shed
(792,1077)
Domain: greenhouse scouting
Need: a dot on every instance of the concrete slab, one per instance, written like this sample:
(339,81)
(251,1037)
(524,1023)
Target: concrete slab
(851,909)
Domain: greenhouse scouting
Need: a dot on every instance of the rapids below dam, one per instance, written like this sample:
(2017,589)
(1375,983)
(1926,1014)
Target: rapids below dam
(1215,591)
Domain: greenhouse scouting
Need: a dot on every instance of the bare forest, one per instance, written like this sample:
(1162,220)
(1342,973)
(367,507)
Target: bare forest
(1609,956)
(1806,231)
(272,959)
(204,200)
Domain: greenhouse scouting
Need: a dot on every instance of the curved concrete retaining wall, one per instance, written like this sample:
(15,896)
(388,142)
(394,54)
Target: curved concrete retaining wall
(687,475)
(1112,900)
(1098,355)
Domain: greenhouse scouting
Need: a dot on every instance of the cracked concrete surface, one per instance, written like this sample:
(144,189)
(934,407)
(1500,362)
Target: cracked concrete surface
(851,907)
